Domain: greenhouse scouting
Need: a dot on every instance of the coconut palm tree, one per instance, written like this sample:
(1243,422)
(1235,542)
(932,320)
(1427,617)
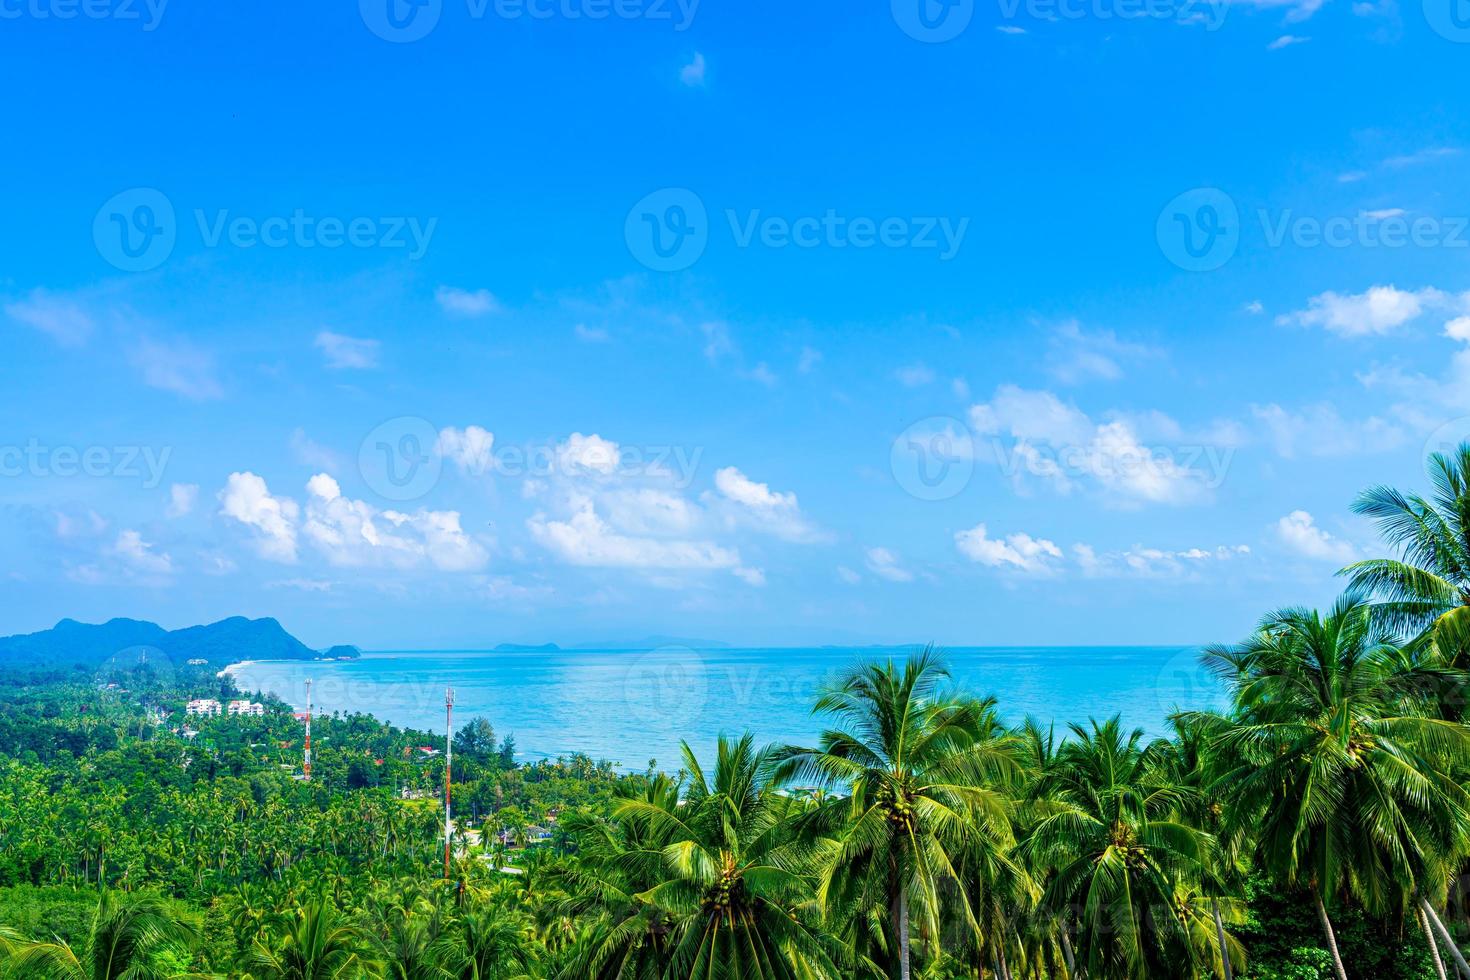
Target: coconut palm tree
(736,883)
(489,944)
(315,945)
(922,771)
(1116,853)
(124,938)
(1428,585)
(1331,760)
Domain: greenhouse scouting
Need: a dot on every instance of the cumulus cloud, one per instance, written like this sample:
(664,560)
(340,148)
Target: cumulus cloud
(181,498)
(466,303)
(1149,562)
(756,505)
(588,540)
(1299,532)
(1018,551)
(246,499)
(469,448)
(348,532)
(581,454)
(347,353)
(692,74)
(1059,444)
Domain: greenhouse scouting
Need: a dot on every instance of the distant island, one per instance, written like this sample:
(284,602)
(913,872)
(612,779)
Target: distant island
(72,644)
(526,648)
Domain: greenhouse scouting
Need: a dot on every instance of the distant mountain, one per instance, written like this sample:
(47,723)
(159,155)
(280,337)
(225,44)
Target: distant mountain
(653,643)
(526,648)
(70,643)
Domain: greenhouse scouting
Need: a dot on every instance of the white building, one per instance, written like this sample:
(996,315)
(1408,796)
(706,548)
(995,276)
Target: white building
(203,706)
(246,708)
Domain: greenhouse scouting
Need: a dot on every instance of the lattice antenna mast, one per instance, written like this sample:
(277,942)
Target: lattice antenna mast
(306,753)
(448,769)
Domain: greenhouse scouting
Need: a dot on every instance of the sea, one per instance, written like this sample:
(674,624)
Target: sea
(634,707)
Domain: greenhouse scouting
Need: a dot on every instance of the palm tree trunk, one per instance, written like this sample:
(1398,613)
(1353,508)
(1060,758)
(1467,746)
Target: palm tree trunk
(1444,934)
(903,929)
(1005,968)
(1433,946)
(1067,954)
(1331,936)
(1226,969)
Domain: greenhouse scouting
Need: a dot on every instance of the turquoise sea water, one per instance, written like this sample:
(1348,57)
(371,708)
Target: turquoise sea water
(633,706)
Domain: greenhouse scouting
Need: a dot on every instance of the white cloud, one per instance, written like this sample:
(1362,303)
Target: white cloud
(1286,41)
(1019,551)
(463,302)
(717,342)
(347,353)
(1419,157)
(808,361)
(469,448)
(914,375)
(138,555)
(1299,532)
(762,374)
(848,576)
(1061,445)
(960,388)
(1318,430)
(1255,308)
(354,533)
(247,499)
(302,584)
(61,318)
(1140,561)
(692,74)
(181,498)
(313,454)
(885,564)
(178,367)
(1078,355)
(1296,10)
(1010,29)
(1458,329)
(1382,214)
(1378,310)
(586,539)
(757,505)
(588,454)
(590,335)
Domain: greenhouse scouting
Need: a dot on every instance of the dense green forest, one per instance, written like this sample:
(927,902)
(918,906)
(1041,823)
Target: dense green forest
(1317,828)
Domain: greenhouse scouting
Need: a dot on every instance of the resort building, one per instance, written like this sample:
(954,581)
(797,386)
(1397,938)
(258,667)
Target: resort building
(246,708)
(203,706)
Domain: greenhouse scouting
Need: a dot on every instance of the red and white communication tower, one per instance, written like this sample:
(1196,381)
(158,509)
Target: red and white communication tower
(448,768)
(306,753)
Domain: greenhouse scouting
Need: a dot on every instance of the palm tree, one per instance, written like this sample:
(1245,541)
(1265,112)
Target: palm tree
(487,945)
(1332,761)
(736,884)
(1428,585)
(121,945)
(1110,840)
(921,769)
(316,945)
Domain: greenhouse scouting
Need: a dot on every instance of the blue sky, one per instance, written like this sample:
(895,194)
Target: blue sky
(1017,322)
